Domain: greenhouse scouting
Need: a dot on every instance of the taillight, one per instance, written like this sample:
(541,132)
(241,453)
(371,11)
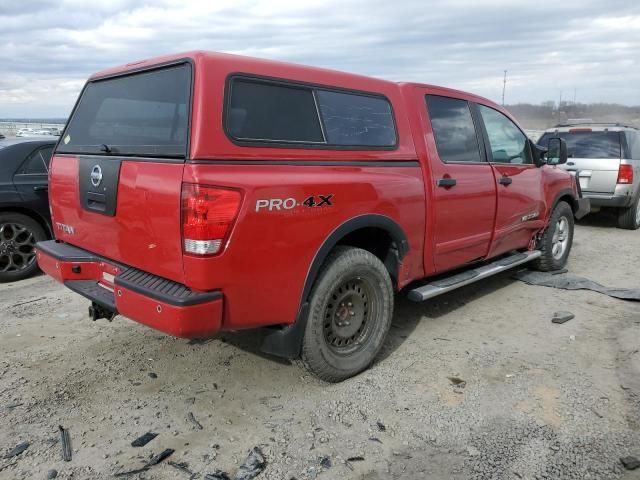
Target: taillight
(625,174)
(208,214)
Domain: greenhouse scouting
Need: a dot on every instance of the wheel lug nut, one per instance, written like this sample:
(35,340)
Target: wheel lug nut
(353,314)
(350,304)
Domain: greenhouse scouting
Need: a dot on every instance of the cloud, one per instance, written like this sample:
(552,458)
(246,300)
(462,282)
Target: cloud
(549,48)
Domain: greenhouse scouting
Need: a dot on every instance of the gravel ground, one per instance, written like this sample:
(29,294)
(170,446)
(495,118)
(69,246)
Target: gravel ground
(538,400)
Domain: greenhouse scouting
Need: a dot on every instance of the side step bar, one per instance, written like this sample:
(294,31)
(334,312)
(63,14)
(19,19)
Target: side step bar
(444,285)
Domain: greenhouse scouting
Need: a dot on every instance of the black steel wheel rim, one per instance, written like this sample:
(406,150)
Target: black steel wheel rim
(349,316)
(17,247)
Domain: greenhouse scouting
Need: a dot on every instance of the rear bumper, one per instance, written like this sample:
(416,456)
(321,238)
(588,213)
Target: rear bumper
(156,302)
(606,200)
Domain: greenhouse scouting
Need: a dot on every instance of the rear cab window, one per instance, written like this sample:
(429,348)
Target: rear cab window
(263,112)
(584,143)
(453,129)
(136,114)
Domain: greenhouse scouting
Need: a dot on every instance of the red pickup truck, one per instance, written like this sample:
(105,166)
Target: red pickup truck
(205,192)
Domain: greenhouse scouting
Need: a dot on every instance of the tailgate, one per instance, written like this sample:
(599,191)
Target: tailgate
(133,218)
(116,176)
(595,174)
(596,155)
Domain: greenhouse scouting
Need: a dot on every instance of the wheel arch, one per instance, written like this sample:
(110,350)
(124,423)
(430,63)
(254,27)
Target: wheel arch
(390,245)
(564,195)
(46,226)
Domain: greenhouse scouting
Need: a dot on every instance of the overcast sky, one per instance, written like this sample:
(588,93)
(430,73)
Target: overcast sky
(589,48)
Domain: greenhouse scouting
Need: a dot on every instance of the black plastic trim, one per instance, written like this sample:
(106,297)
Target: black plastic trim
(314,163)
(134,279)
(311,86)
(162,289)
(90,290)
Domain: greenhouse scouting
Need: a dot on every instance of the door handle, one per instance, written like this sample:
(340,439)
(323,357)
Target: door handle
(41,188)
(505,181)
(447,182)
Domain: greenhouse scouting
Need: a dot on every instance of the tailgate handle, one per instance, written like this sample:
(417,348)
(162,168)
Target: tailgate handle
(96,201)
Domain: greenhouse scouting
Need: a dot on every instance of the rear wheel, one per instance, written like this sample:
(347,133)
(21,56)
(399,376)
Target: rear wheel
(629,218)
(350,314)
(557,239)
(18,236)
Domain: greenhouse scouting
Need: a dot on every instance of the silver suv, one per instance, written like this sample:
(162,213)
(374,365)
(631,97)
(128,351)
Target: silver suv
(606,159)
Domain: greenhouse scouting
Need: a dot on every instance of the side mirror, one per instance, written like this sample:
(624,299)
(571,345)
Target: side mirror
(557,151)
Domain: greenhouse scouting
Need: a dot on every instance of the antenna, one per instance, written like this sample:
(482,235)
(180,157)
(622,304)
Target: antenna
(504,86)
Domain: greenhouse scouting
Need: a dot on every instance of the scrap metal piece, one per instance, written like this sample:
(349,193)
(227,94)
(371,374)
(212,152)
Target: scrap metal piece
(17,450)
(252,466)
(144,439)
(562,317)
(65,440)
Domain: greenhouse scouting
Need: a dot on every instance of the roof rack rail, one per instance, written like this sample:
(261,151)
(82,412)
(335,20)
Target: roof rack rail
(611,124)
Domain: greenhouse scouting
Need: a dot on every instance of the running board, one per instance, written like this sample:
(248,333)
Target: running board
(444,285)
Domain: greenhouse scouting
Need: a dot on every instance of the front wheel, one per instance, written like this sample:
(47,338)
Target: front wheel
(350,313)
(556,240)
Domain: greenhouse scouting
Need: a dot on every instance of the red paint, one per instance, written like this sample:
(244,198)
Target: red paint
(266,256)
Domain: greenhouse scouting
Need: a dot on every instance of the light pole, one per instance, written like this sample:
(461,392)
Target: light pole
(504,86)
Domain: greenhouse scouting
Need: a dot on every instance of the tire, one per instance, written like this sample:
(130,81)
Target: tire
(556,240)
(18,236)
(629,218)
(350,313)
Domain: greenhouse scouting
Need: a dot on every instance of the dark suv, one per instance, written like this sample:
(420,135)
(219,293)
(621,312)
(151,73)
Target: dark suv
(24,205)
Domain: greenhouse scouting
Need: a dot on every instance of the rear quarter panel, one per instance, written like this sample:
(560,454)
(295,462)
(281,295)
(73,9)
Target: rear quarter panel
(263,269)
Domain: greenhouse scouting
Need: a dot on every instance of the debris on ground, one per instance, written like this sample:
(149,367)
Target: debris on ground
(381,426)
(562,317)
(457,382)
(154,461)
(325,462)
(375,439)
(193,420)
(183,467)
(357,458)
(65,440)
(51,474)
(17,450)
(217,475)
(252,466)
(573,282)
(153,375)
(630,463)
(144,439)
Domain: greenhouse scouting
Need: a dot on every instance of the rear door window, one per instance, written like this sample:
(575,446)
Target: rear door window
(142,114)
(274,112)
(453,129)
(508,143)
(37,163)
(587,144)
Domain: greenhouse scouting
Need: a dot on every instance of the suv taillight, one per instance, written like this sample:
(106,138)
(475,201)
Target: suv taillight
(625,174)
(208,213)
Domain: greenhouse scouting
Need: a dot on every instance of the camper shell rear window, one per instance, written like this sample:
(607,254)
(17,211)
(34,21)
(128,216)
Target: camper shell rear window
(265,112)
(138,114)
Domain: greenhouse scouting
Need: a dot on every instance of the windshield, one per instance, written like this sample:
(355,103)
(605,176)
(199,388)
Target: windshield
(144,114)
(587,144)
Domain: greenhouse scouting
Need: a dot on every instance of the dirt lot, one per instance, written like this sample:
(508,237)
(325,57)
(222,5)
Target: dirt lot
(540,401)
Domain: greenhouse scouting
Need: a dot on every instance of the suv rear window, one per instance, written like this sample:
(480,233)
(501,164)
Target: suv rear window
(264,111)
(587,144)
(143,114)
